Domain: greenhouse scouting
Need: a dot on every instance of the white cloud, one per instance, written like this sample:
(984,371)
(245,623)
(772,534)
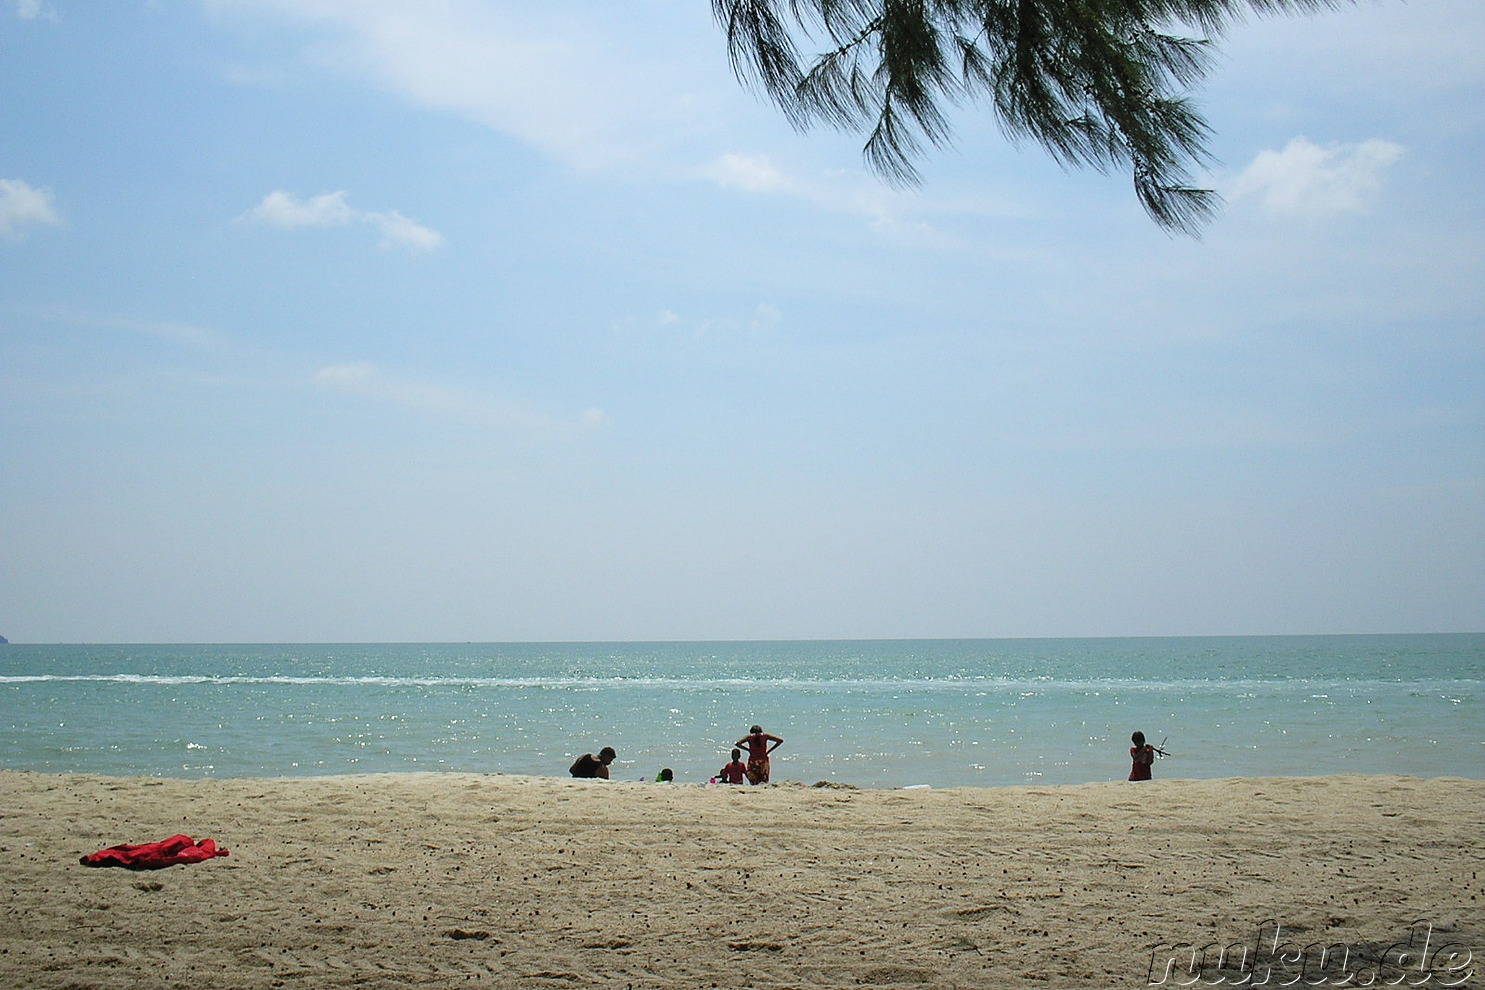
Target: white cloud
(851,193)
(367,380)
(590,85)
(398,229)
(22,205)
(751,173)
(280,209)
(354,377)
(1307,179)
(766,316)
(641,89)
(31,10)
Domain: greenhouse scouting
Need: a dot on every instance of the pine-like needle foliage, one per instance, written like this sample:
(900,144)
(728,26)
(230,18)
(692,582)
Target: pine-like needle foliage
(1098,83)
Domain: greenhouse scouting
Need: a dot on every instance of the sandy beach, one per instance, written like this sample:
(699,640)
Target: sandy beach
(459,880)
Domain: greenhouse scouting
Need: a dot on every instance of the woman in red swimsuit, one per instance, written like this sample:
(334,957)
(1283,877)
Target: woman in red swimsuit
(757,744)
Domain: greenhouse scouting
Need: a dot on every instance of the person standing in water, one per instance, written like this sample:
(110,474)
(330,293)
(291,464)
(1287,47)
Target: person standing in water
(756,742)
(1143,756)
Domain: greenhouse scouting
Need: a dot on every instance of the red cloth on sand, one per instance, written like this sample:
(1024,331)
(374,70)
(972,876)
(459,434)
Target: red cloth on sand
(156,855)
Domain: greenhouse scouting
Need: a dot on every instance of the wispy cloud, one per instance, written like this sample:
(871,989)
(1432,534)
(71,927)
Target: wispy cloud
(281,209)
(32,10)
(750,173)
(545,74)
(850,193)
(1307,179)
(22,205)
(369,381)
(187,335)
(398,229)
(762,321)
(916,215)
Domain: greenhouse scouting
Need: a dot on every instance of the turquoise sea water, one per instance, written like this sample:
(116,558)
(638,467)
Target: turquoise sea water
(875,714)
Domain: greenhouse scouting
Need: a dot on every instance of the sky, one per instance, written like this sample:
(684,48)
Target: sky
(473,320)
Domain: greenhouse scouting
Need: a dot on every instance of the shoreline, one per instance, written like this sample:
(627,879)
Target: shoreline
(563,778)
(435,878)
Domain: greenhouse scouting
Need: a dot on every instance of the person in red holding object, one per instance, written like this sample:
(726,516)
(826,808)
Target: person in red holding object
(757,743)
(156,855)
(734,772)
(1143,756)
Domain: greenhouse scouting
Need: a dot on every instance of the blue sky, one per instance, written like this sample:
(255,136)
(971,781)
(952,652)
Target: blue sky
(364,320)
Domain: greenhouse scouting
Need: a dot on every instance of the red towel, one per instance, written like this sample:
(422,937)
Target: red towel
(156,855)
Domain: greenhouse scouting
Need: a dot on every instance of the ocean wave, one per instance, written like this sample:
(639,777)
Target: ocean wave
(1026,688)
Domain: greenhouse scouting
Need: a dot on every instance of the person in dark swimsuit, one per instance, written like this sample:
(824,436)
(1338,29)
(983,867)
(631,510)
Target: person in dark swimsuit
(756,742)
(589,765)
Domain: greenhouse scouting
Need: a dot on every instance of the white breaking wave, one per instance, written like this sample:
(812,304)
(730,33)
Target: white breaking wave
(1027,687)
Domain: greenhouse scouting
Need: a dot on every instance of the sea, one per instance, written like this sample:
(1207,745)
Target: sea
(877,714)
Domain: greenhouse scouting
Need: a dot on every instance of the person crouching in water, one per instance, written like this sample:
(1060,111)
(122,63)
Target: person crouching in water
(757,743)
(734,772)
(588,765)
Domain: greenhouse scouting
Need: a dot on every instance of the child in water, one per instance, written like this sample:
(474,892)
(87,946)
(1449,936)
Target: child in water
(1143,756)
(735,772)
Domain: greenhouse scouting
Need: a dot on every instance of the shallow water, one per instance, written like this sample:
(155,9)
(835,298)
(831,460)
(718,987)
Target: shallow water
(874,713)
